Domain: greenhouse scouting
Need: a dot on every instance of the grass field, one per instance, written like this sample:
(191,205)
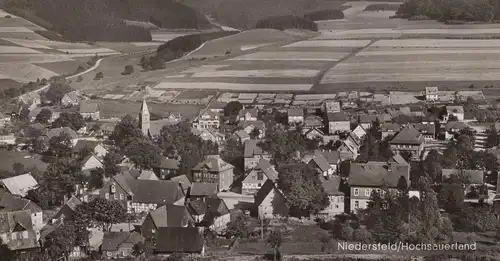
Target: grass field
(63,67)
(9,83)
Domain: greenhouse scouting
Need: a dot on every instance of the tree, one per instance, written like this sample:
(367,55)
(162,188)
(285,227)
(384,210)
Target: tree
(274,240)
(233,154)
(101,213)
(61,241)
(255,133)
(125,130)
(369,149)
(232,109)
(43,116)
(18,168)
(79,78)
(110,162)
(143,153)
(57,90)
(284,145)
(73,120)
(238,226)
(96,178)
(492,139)
(432,165)
(138,249)
(302,187)
(99,76)
(61,146)
(129,69)
(402,183)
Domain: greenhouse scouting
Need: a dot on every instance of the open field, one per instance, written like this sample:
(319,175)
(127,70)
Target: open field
(244,87)
(293,56)
(22,72)
(62,67)
(8,83)
(16,50)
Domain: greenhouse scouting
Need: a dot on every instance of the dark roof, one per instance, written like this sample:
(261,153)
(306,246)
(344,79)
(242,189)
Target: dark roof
(263,192)
(337,116)
(390,126)
(260,125)
(203,189)
(112,240)
(150,191)
(295,112)
(455,125)
(408,135)
(425,128)
(169,164)
(213,163)
(398,159)
(216,206)
(320,161)
(375,174)
(313,121)
(11,202)
(82,144)
(180,240)
(331,156)
(332,185)
(170,216)
(251,148)
(267,168)
(183,180)
(197,207)
(87,107)
(18,221)
(473,176)
(253,112)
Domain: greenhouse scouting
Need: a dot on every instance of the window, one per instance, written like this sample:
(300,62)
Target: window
(115,197)
(356,204)
(356,192)
(336,206)
(367,192)
(259,185)
(24,234)
(260,175)
(13,236)
(121,196)
(113,188)
(106,195)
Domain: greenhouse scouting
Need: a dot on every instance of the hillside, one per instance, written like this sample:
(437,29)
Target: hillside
(107,20)
(244,14)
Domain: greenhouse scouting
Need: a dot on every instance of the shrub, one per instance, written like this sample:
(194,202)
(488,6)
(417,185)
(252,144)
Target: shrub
(362,235)
(329,14)
(347,232)
(79,78)
(129,69)
(99,76)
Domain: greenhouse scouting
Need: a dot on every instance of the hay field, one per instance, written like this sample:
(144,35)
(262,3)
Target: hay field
(292,56)
(233,86)
(420,60)
(25,72)
(32,58)
(27,43)
(159,36)
(330,43)
(17,50)
(258,73)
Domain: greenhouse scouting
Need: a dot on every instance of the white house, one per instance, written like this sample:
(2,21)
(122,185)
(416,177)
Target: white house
(19,185)
(457,111)
(338,122)
(431,93)
(270,202)
(91,162)
(295,116)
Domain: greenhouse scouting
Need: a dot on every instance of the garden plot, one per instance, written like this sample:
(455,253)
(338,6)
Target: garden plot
(258,73)
(25,72)
(27,43)
(89,51)
(64,45)
(293,56)
(436,43)
(360,34)
(15,30)
(233,86)
(330,43)
(17,50)
(464,75)
(32,58)
(421,51)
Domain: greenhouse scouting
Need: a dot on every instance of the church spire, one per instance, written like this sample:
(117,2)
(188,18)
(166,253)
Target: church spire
(144,118)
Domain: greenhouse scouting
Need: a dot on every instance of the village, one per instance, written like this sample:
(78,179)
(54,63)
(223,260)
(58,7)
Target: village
(246,175)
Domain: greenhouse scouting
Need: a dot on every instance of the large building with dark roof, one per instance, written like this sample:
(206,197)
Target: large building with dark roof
(214,170)
(408,141)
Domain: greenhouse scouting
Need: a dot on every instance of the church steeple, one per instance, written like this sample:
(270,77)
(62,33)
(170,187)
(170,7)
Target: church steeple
(144,118)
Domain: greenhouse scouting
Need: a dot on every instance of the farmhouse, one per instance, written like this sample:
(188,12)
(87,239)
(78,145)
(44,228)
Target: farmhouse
(258,176)
(253,153)
(338,122)
(455,111)
(89,110)
(325,162)
(165,216)
(270,202)
(19,185)
(335,196)
(119,244)
(17,230)
(408,141)
(295,116)
(431,94)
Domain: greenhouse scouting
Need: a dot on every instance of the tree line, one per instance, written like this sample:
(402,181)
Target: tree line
(451,10)
(95,20)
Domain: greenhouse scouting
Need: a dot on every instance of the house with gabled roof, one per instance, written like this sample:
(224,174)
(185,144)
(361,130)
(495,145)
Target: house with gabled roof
(141,195)
(366,120)
(457,111)
(166,168)
(373,176)
(217,215)
(454,127)
(203,190)
(19,185)
(165,216)
(67,211)
(210,134)
(90,110)
(119,244)
(240,136)
(253,153)
(250,126)
(197,208)
(325,162)
(359,131)
(16,230)
(389,129)
(91,162)
(428,131)
(410,141)
(331,186)
(186,240)
(338,122)
(349,147)
(295,116)
(256,177)
(214,170)
(251,114)
(183,181)
(208,119)
(270,202)
(70,99)
(10,202)
(91,145)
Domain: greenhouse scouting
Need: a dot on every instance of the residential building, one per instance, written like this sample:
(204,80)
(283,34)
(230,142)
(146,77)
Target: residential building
(249,126)
(217,215)
(203,190)
(17,231)
(348,146)
(428,130)
(165,216)
(208,119)
(89,110)
(197,208)
(93,146)
(312,133)
(12,203)
(167,168)
(454,127)
(408,141)
(53,116)
(253,153)
(147,175)
(19,185)
(367,177)
(473,179)
(144,119)
(91,162)
(457,111)
(325,162)
(295,116)
(119,244)
(248,114)
(67,211)
(70,99)
(366,120)
(183,181)
(331,106)
(209,134)
(186,240)
(431,94)
(66,130)
(331,186)
(338,122)
(390,129)
(214,170)
(270,202)
(30,98)
(141,195)
(360,132)
(241,136)
(258,176)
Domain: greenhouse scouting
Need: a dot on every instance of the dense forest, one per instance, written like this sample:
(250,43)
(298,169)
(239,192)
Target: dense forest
(451,10)
(287,22)
(104,20)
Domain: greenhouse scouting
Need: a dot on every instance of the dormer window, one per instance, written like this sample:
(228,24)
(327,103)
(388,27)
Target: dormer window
(113,188)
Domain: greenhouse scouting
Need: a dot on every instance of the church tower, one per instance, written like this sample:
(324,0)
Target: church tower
(144,118)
